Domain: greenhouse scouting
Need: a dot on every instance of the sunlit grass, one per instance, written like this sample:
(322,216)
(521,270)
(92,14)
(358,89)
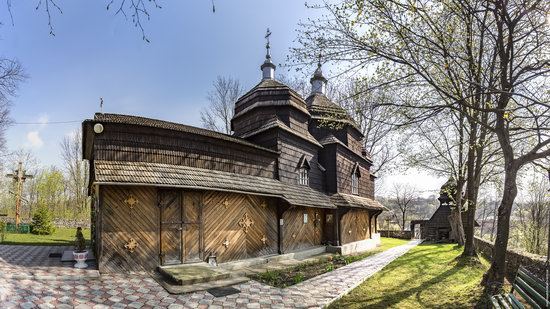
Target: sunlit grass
(62,237)
(428,276)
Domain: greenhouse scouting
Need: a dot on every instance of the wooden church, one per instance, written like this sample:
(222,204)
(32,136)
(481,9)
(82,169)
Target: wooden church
(167,193)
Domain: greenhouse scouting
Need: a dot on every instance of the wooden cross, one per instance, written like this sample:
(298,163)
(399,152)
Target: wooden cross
(226,243)
(246,222)
(19,176)
(131,201)
(264,240)
(267,35)
(131,245)
(225,203)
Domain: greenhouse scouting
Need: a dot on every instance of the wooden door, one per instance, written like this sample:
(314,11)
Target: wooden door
(329,227)
(191,227)
(171,227)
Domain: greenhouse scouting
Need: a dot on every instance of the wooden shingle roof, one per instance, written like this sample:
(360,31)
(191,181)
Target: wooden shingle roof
(276,123)
(354,201)
(323,109)
(157,174)
(154,123)
(270,84)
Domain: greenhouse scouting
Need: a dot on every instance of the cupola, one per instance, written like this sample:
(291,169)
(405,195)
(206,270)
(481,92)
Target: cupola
(318,81)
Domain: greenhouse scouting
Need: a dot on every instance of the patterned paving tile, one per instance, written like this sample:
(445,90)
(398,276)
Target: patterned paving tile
(141,291)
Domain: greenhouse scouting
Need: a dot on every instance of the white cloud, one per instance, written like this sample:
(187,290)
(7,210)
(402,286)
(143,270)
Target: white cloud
(34,140)
(43,119)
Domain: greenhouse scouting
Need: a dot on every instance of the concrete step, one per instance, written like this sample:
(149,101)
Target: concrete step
(182,289)
(297,255)
(192,274)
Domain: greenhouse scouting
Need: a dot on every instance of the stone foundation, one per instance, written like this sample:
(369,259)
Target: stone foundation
(357,246)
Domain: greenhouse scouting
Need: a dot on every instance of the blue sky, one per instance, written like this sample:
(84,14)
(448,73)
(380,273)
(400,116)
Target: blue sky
(97,54)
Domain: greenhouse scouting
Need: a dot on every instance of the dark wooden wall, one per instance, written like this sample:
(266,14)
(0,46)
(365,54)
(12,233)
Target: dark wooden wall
(327,158)
(252,121)
(298,121)
(345,163)
(119,223)
(121,142)
(221,224)
(354,140)
(355,225)
(291,149)
(298,235)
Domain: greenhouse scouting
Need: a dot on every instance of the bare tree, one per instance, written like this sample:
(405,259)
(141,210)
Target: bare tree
(297,83)
(76,170)
(11,75)
(375,120)
(403,197)
(135,10)
(533,215)
(217,116)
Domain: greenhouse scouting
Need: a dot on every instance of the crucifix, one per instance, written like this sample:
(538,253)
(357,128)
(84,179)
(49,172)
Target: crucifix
(19,176)
(267,35)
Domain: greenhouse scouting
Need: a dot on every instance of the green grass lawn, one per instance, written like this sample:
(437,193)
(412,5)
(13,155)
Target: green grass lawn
(62,237)
(388,243)
(428,276)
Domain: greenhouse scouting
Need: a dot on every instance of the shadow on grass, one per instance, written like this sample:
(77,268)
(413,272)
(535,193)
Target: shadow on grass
(394,298)
(421,258)
(419,264)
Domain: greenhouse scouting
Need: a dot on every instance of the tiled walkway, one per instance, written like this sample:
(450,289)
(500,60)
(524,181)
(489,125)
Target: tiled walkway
(118,291)
(33,262)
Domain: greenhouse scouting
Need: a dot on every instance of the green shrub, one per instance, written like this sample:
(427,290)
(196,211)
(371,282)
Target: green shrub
(270,277)
(329,267)
(2,231)
(349,259)
(299,277)
(42,222)
(80,241)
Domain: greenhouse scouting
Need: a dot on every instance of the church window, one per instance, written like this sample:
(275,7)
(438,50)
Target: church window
(355,179)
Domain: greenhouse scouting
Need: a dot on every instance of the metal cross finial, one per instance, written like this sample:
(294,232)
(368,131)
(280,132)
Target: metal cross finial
(267,46)
(319,62)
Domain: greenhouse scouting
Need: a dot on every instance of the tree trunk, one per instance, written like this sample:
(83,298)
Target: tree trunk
(455,219)
(493,280)
(403,226)
(457,230)
(471,187)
